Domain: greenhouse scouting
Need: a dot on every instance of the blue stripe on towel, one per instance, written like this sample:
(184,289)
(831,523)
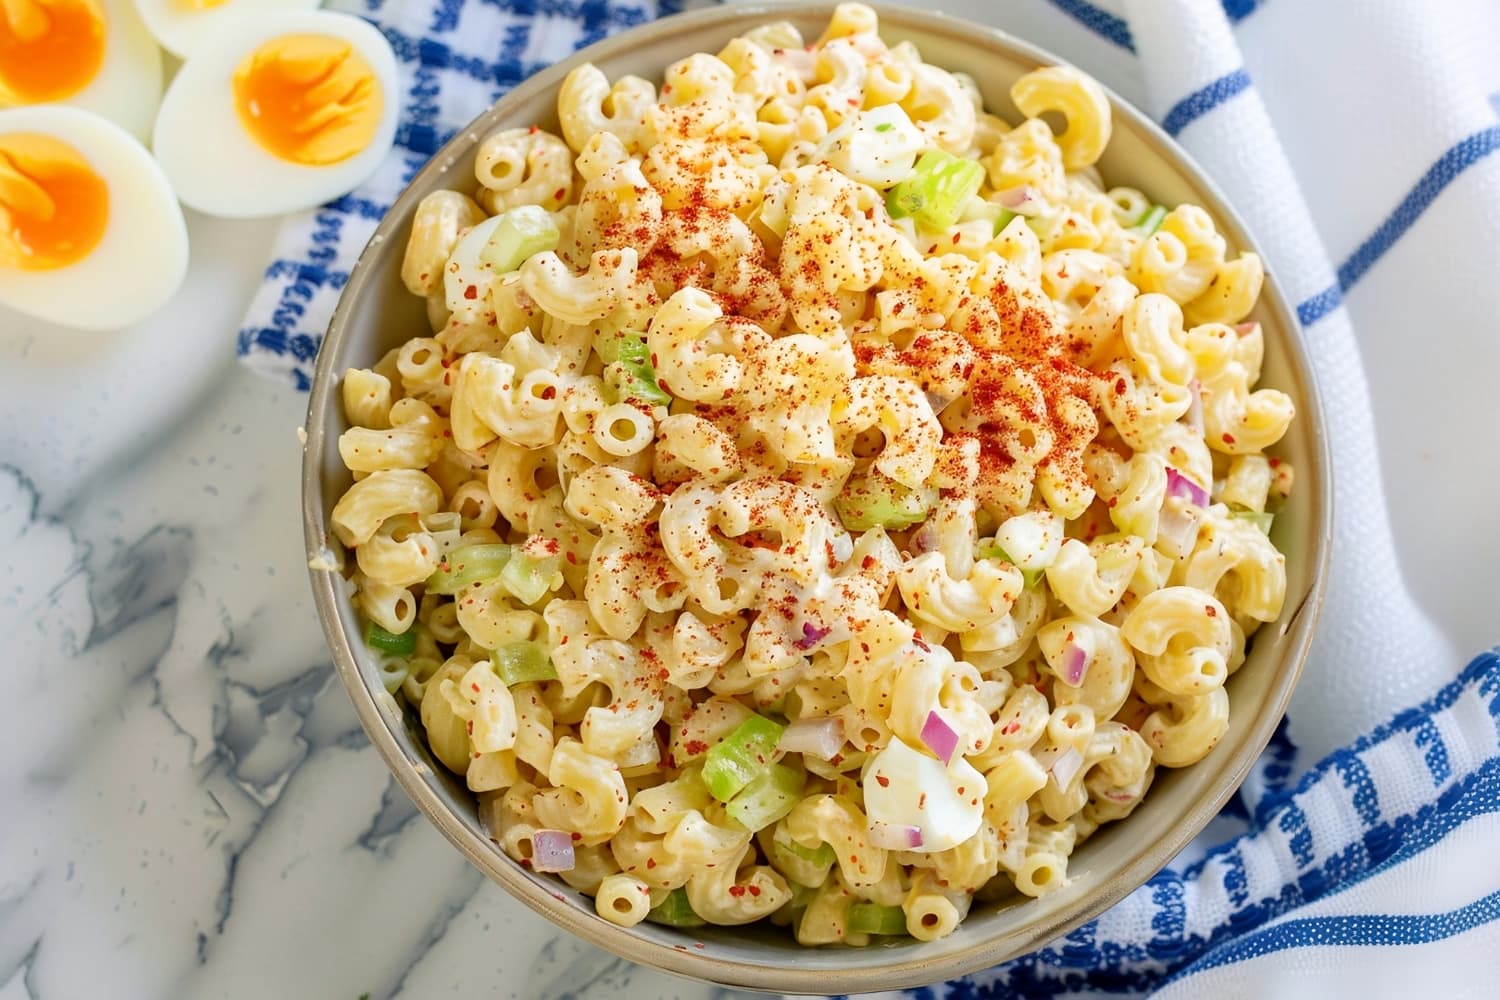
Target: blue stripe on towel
(1460,157)
(1358,930)
(1114,28)
(1449,166)
(1238,10)
(1200,102)
(1101,22)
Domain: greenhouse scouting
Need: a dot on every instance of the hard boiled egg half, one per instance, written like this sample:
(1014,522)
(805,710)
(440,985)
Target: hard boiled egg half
(93,54)
(181,25)
(278,112)
(90,233)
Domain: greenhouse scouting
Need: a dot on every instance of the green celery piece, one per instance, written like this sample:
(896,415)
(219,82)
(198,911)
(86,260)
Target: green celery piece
(390,642)
(610,346)
(635,380)
(872,918)
(744,755)
(1151,221)
(528,578)
(937,190)
(466,565)
(874,500)
(675,911)
(769,796)
(393,672)
(1261,519)
(996,214)
(820,855)
(992,551)
(520,233)
(523,662)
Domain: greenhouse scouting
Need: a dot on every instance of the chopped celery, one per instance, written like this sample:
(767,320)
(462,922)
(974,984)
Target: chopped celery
(1261,519)
(468,564)
(744,755)
(992,212)
(937,190)
(675,911)
(990,550)
(390,642)
(1151,221)
(528,578)
(518,235)
(820,855)
(636,380)
(522,662)
(872,918)
(874,500)
(393,672)
(769,796)
(610,345)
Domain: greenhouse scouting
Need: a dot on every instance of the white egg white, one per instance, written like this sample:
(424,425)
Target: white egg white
(181,29)
(127,88)
(140,261)
(216,166)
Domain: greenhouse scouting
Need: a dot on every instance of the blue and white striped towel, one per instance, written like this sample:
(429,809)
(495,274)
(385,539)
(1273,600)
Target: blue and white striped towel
(1357,858)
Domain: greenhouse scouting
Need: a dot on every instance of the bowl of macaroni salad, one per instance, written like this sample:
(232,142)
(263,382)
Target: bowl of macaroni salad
(815,499)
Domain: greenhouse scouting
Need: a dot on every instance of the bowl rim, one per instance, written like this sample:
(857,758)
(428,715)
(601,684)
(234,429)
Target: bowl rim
(909,968)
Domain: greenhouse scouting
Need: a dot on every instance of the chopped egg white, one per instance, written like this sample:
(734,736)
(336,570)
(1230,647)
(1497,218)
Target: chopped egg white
(91,235)
(278,112)
(905,787)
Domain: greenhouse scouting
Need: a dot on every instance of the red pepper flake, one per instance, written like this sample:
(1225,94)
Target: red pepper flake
(696,747)
(472,292)
(1212,613)
(884,781)
(922,801)
(754,890)
(650,863)
(1228,438)
(736,891)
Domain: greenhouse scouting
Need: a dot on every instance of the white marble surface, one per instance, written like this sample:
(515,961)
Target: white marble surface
(191,809)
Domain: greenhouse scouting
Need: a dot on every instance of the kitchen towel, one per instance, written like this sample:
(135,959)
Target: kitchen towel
(1354,858)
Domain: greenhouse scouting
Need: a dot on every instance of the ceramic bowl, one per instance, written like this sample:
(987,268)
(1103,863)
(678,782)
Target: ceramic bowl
(376,313)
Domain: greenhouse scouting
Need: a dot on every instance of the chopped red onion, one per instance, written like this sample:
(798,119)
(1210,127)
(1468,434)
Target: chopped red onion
(925,539)
(1179,485)
(820,738)
(552,851)
(939,403)
(1177,529)
(1022,200)
(939,737)
(895,838)
(1075,664)
(1065,766)
(811,635)
(1195,406)
(1244,329)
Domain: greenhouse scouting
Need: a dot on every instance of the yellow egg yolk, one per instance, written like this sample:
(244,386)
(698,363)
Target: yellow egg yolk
(308,99)
(196,5)
(53,207)
(49,49)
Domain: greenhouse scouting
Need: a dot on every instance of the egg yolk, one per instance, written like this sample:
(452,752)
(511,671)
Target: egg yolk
(196,5)
(308,99)
(53,207)
(49,49)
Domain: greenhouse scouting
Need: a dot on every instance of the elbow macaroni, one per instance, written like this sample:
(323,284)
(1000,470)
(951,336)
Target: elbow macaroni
(1017,404)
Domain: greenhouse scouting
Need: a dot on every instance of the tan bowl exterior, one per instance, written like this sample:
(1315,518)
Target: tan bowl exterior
(376,312)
